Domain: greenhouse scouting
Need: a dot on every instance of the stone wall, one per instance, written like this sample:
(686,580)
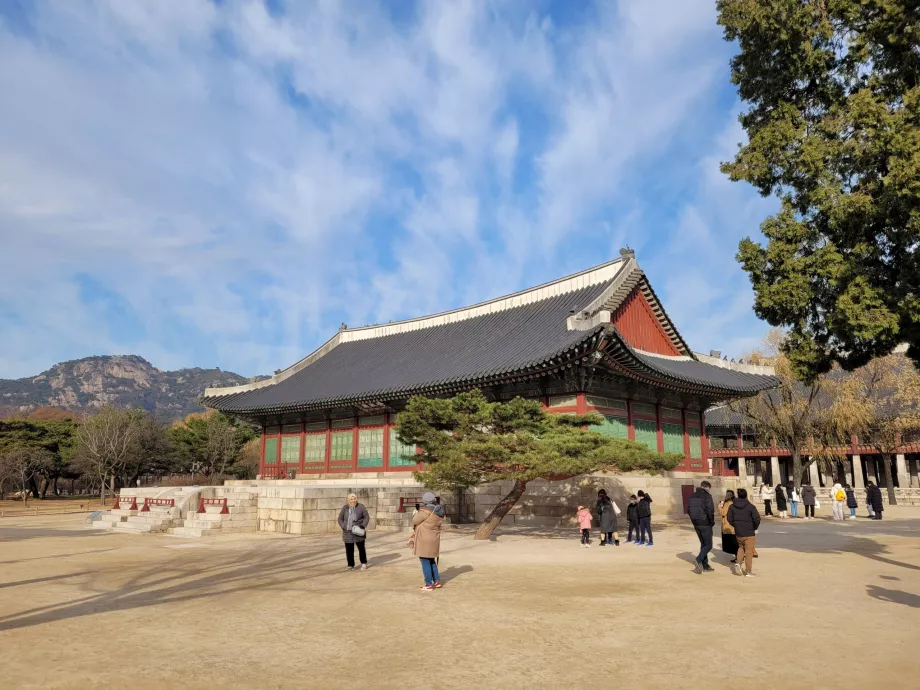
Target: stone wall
(554,504)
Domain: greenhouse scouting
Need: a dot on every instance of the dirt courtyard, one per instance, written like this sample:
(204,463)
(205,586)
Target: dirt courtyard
(835,605)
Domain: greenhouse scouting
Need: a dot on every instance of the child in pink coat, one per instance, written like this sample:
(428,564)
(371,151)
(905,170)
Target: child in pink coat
(584,522)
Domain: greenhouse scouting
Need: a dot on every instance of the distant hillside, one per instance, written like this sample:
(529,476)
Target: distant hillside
(124,380)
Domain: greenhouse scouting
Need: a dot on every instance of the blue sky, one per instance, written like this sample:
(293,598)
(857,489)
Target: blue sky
(223,183)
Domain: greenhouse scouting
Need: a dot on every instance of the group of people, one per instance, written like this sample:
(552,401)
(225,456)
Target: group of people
(740,521)
(425,541)
(841,496)
(638,519)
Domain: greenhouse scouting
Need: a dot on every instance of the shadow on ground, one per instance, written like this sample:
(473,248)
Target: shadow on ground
(181,579)
(895,596)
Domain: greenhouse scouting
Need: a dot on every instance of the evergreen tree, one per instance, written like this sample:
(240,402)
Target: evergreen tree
(467,440)
(833,124)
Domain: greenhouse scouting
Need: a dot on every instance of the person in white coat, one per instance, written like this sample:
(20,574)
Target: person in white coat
(838,500)
(766,495)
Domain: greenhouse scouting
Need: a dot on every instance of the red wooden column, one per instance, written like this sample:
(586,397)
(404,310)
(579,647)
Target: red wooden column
(303,446)
(354,446)
(387,425)
(631,430)
(659,432)
(262,455)
(581,404)
(704,440)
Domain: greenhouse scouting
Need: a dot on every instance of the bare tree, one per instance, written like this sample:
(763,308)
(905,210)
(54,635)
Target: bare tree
(21,463)
(249,457)
(106,441)
(794,415)
(880,403)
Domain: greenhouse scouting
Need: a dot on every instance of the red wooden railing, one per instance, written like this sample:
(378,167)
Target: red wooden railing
(118,500)
(157,502)
(202,502)
(410,500)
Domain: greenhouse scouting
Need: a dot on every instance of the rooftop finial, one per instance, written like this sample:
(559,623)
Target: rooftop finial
(343,327)
(628,253)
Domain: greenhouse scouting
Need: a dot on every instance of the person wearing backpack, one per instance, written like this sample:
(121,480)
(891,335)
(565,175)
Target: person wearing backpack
(838,500)
(702,517)
(744,518)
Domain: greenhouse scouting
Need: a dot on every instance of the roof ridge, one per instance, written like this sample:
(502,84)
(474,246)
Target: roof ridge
(570,283)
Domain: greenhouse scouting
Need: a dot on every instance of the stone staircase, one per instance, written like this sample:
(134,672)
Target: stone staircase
(242,504)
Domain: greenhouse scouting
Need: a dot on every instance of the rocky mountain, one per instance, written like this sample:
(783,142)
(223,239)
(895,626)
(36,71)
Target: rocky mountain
(123,380)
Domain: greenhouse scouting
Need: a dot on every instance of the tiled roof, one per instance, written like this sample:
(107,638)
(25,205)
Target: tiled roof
(524,333)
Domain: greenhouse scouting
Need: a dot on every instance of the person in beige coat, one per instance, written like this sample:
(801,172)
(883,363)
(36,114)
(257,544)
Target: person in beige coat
(426,540)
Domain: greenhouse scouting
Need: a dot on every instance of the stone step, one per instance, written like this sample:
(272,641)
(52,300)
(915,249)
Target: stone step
(126,527)
(189,532)
(201,524)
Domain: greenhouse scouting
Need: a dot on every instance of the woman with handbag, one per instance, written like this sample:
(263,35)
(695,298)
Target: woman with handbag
(607,512)
(426,539)
(729,539)
(353,519)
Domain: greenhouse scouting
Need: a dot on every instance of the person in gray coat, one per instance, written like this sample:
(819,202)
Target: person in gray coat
(353,519)
(607,519)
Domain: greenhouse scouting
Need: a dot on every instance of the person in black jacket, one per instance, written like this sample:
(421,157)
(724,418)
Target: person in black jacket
(702,516)
(632,519)
(874,499)
(743,516)
(644,511)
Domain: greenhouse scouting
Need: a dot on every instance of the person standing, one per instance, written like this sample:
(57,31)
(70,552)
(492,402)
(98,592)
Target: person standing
(874,498)
(744,518)
(607,519)
(644,510)
(353,521)
(702,517)
(584,523)
(838,500)
(809,496)
(632,519)
(851,501)
(781,501)
(729,541)
(426,540)
(793,497)
(766,495)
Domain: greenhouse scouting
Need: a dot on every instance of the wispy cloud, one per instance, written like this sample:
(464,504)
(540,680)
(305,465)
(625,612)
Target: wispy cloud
(236,178)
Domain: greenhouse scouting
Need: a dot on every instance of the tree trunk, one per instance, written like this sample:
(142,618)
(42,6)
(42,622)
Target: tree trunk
(501,510)
(796,468)
(889,479)
(102,492)
(34,487)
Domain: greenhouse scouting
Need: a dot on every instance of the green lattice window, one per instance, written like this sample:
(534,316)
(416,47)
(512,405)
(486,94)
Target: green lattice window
(696,450)
(692,416)
(563,401)
(614,425)
(269,430)
(343,423)
(673,438)
(646,432)
(670,413)
(375,420)
(644,408)
(314,452)
(341,450)
(290,450)
(370,448)
(401,454)
(609,403)
(271,450)
(316,426)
